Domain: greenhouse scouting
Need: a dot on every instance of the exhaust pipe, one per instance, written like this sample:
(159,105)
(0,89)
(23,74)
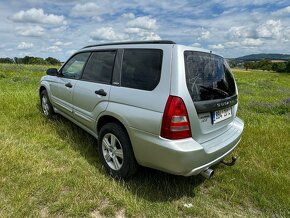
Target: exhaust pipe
(207,173)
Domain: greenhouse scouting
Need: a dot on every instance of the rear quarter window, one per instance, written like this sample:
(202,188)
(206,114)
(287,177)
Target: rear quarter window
(141,68)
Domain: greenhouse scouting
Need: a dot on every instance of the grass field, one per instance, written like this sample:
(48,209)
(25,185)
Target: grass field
(50,168)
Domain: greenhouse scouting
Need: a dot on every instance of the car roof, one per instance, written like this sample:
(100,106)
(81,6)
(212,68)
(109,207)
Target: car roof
(133,42)
(147,43)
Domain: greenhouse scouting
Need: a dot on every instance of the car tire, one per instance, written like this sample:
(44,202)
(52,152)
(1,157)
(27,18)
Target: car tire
(116,152)
(46,106)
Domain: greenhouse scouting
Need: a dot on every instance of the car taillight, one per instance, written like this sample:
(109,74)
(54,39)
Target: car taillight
(175,122)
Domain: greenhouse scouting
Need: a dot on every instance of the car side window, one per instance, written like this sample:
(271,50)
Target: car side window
(141,68)
(100,67)
(73,68)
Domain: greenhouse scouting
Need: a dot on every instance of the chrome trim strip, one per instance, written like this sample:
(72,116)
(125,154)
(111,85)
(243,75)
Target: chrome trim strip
(83,116)
(63,106)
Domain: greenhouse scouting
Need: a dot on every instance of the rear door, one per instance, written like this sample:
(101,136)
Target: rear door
(92,91)
(213,93)
(62,87)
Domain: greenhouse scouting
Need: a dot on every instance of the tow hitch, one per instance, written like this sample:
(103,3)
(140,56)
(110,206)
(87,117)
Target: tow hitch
(231,163)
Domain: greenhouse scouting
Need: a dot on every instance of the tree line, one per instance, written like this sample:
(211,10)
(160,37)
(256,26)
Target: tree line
(280,67)
(31,60)
(268,65)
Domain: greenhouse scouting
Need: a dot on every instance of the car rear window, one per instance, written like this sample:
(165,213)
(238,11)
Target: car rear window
(141,68)
(208,76)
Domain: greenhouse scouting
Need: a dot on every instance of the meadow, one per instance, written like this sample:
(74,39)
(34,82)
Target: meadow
(50,168)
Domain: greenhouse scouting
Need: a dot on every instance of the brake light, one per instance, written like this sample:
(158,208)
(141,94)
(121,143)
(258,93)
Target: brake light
(175,122)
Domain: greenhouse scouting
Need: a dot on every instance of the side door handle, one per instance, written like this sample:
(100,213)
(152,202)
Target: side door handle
(101,92)
(69,85)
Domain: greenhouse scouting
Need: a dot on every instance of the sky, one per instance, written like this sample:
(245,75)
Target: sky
(58,28)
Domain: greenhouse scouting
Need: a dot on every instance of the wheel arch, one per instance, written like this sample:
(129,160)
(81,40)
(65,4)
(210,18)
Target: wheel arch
(44,85)
(131,163)
(109,118)
(41,88)
(104,119)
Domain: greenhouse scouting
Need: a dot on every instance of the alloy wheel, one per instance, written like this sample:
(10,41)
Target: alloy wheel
(45,106)
(112,151)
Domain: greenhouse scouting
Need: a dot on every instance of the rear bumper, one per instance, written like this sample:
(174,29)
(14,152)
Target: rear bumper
(184,157)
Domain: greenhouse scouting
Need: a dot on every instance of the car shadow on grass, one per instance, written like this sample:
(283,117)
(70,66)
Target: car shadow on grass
(157,186)
(149,184)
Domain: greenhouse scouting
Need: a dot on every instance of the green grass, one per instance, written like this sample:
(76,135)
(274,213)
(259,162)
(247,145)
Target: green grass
(50,168)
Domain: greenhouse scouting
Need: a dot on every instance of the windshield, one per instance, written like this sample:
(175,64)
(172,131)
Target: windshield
(208,76)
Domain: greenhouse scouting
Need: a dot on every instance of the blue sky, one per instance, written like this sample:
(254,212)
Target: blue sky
(58,28)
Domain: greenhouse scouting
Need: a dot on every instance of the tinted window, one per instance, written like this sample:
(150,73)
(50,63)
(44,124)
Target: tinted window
(208,76)
(141,68)
(99,67)
(73,68)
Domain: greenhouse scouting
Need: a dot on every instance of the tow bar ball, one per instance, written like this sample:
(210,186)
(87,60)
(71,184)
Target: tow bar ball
(231,163)
(208,173)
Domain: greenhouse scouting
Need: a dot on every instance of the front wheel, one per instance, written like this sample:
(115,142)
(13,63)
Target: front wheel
(46,105)
(116,152)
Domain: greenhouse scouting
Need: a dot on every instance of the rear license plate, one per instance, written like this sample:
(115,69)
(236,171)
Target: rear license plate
(220,115)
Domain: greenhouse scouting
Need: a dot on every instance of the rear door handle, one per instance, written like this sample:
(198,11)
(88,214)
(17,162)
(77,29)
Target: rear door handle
(69,85)
(101,92)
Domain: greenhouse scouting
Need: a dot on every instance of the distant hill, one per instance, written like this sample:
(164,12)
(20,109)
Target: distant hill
(257,57)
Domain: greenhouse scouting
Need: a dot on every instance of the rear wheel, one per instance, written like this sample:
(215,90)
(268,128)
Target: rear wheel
(115,151)
(46,106)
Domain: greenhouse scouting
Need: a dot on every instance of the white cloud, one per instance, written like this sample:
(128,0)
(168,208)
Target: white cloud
(128,15)
(53,48)
(142,34)
(145,35)
(282,12)
(144,22)
(239,32)
(196,44)
(217,46)
(141,28)
(233,3)
(59,43)
(35,15)
(96,18)
(88,9)
(108,34)
(252,42)
(35,31)
(205,34)
(270,29)
(231,44)
(60,29)
(71,52)
(24,45)
(240,29)
(132,30)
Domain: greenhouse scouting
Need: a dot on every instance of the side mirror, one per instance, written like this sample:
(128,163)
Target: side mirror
(52,72)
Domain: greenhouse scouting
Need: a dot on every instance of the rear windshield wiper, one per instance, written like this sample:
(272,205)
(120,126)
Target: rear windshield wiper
(224,93)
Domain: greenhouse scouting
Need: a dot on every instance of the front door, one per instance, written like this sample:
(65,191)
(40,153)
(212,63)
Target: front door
(62,89)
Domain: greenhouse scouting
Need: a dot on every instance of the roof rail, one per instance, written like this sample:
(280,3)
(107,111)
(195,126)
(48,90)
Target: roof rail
(133,42)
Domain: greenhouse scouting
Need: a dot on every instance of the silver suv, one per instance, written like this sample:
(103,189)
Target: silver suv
(152,103)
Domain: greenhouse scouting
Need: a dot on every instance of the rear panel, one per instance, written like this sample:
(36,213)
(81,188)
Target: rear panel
(141,93)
